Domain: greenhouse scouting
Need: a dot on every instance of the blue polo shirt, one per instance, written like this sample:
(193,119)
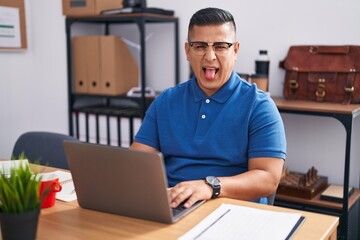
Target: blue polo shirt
(201,136)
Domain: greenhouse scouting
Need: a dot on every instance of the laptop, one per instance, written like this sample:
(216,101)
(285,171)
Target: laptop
(122,181)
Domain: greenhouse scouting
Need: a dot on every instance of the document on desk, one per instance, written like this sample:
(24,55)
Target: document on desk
(238,222)
(67,193)
(6,165)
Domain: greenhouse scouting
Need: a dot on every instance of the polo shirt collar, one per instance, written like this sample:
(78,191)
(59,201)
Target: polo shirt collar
(220,96)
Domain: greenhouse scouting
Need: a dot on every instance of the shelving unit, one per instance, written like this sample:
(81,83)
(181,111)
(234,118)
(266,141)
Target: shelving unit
(348,210)
(111,106)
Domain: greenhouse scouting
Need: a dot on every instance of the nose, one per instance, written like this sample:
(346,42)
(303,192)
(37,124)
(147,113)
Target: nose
(210,54)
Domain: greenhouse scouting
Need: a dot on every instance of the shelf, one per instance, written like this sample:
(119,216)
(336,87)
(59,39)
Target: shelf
(120,106)
(345,114)
(111,111)
(125,17)
(84,101)
(316,201)
(317,107)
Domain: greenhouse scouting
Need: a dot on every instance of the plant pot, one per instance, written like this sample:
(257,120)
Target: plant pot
(19,226)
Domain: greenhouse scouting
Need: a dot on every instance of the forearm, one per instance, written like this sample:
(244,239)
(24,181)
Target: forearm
(248,186)
(260,181)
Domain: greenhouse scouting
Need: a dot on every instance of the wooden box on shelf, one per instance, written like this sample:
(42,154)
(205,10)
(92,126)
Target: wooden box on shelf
(302,185)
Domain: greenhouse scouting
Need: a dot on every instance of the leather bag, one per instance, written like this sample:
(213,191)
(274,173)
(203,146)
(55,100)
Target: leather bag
(323,73)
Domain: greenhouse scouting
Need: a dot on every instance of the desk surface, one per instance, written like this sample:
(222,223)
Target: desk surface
(70,221)
(312,106)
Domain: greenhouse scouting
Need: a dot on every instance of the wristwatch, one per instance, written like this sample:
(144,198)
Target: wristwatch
(215,184)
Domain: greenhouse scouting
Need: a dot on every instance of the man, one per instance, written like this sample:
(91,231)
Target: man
(220,136)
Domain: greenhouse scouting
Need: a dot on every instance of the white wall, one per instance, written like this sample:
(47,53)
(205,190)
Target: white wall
(33,84)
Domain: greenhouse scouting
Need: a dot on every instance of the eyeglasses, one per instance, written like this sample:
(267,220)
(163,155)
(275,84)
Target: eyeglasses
(220,48)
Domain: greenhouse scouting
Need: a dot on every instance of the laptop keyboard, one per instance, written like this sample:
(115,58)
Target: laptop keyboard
(178,209)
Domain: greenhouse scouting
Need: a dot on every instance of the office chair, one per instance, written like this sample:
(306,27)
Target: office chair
(45,148)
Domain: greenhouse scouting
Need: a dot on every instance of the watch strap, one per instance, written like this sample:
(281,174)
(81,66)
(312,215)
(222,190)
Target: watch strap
(216,188)
(216,191)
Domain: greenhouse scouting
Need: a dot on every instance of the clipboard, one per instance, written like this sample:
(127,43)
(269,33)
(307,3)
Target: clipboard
(230,220)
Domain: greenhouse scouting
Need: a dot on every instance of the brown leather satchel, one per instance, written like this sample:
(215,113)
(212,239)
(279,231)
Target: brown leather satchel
(323,73)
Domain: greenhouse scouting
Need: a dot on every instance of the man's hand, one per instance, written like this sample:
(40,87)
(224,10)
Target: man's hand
(191,191)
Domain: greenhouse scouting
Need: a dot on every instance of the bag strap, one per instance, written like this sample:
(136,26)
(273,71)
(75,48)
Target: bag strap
(320,90)
(293,83)
(329,49)
(349,87)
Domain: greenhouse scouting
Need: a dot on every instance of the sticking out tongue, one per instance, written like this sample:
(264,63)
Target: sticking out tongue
(210,73)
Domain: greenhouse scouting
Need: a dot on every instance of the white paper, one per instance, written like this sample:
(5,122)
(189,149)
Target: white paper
(6,165)
(238,222)
(67,193)
(47,176)
(10,27)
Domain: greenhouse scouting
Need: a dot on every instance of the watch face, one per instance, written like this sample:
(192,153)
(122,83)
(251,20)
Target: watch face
(213,180)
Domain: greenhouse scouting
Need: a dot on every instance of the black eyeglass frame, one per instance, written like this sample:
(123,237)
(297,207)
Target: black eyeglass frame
(213,44)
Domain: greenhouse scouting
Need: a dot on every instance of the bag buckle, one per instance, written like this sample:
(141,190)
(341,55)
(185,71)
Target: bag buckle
(313,50)
(320,94)
(321,80)
(349,89)
(293,84)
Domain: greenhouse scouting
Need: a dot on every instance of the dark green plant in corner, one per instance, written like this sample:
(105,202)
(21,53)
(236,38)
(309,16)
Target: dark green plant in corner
(19,192)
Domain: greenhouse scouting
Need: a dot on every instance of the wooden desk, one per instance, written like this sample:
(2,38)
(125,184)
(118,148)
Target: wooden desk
(315,107)
(69,221)
(345,114)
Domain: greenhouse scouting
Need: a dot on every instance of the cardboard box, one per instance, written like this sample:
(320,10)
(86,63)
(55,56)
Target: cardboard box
(103,65)
(89,7)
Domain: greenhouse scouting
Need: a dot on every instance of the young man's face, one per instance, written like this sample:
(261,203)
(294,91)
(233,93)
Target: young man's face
(212,70)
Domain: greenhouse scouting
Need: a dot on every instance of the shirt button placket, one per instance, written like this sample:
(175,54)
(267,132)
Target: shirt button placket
(203,116)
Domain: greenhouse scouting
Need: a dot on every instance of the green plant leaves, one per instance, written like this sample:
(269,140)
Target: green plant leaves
(19,192)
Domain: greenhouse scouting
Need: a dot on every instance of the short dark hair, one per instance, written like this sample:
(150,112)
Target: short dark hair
(211,16)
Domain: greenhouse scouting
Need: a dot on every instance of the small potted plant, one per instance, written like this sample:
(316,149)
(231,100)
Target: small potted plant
(19,203)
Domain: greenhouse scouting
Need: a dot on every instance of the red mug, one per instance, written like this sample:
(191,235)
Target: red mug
(49,188)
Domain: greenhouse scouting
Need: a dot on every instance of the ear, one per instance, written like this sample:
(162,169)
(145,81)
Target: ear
(236,49)
(187,51)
